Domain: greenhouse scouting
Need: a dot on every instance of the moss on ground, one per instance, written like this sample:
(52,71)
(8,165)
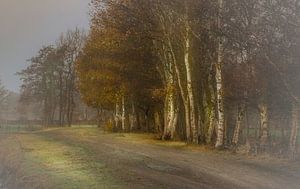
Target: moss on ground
(60,165)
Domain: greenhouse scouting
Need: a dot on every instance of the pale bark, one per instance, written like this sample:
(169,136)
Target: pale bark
(219,82)
(168,59)
(117,116)
(123,118)
(190,89)
(184,97)
(264,125)
(182,92)
(294,132)
(186,106)
(171,115)
(220,106)
(170,55)
(238,126)
(171,106)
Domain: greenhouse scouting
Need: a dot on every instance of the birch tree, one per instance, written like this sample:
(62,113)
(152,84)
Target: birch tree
(219,81)
(181,66)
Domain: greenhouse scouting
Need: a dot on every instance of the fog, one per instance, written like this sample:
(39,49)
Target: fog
(27,25)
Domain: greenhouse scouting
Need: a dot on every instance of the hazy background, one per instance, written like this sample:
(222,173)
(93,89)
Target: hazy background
(27,25)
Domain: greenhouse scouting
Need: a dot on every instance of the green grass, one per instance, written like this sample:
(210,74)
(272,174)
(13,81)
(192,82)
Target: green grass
(4,128)
(61,165)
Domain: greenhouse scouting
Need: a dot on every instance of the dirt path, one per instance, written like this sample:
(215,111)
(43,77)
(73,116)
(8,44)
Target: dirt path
(130,161)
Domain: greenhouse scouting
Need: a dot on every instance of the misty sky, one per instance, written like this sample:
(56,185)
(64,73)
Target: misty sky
(27,25)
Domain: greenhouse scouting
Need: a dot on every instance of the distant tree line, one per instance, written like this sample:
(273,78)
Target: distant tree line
(50,79)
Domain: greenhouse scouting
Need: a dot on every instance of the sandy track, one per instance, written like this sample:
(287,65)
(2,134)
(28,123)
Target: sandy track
(136,164)
(142,165)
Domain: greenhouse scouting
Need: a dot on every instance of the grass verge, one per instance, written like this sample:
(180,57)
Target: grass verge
(37,161)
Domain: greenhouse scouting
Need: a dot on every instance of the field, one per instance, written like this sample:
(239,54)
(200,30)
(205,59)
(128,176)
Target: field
(87,157)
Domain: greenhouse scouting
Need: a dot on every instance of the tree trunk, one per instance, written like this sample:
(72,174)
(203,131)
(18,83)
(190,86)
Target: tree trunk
(201,132)
(220,108)
(190,92)
(158,123)
(139,121)
(187,122)
(210,109)
(86,115)
(123,118)
(211,126)
(171,115)
(264,125)
(117,116)
(61,101)
(219,82)
(99,113)
(247,121)
(294,132)
(238,126)
(133,117)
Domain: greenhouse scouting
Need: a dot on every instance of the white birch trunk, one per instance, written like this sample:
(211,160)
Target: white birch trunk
(264,125)
(123,118)
(182,91)
(238,126)
(171,106)
(117,116)
(170,56)
(186,105)
(219,82)
(220,105)
(171,115)
(190,92)
(294,132)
